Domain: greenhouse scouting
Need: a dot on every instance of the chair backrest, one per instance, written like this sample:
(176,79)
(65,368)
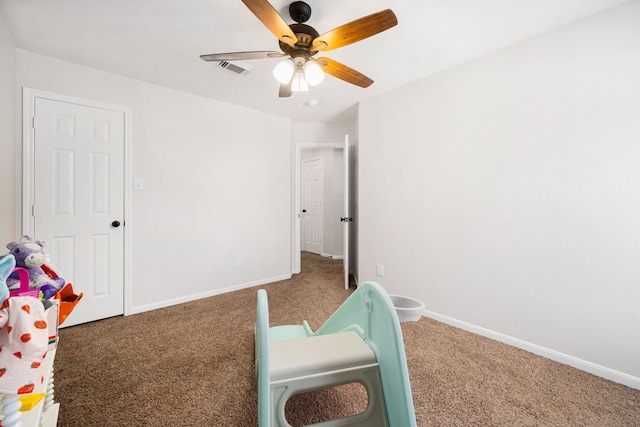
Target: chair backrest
(262,359)
(369,311)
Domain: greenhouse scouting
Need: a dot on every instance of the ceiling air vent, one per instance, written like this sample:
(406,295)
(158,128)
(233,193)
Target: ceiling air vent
(236,67)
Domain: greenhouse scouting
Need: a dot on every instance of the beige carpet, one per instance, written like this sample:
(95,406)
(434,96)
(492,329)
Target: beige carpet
(192,365)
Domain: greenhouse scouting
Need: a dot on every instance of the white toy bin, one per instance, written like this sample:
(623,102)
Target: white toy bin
(408,309)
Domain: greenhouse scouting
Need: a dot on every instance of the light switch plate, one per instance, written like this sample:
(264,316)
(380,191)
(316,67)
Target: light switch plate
(138,184)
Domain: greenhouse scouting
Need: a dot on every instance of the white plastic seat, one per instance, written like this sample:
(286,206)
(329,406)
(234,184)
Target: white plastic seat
(305,364)
(312,355)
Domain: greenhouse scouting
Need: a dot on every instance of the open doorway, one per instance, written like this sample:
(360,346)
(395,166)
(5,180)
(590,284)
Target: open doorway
(321,180)
(321,195)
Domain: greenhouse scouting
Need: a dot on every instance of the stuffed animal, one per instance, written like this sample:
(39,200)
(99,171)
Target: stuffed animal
(7,263)
(30,256)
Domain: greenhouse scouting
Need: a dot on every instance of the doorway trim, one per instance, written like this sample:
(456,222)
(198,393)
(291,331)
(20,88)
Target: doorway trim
(296,256)
(29,96)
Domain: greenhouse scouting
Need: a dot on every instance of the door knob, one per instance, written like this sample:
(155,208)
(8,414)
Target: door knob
(304,210)
(115,224)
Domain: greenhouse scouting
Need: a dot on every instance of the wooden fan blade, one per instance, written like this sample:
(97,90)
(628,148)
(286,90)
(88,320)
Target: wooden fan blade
(235,56)
(272,20)
(341,71)
(355,31)
(285,90)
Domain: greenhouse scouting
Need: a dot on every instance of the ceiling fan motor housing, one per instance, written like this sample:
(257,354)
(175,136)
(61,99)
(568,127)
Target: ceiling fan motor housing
(305,35)
(300,11)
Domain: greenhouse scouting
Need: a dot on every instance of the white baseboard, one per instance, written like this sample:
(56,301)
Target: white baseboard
(326,255)
(213,292)
(592,368)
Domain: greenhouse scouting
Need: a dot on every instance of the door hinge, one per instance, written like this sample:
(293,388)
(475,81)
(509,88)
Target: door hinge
(33,210)
(33,122)
(346,219)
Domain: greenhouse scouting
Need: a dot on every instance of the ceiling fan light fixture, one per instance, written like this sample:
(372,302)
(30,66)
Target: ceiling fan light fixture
(299,82)
(284,71)
(313,73)
(301,42)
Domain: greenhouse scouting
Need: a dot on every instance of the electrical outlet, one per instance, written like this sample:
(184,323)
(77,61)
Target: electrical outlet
(238,261)
(380,270)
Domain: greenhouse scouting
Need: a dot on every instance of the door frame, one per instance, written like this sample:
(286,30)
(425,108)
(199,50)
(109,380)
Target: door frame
(29,96)
(296,255)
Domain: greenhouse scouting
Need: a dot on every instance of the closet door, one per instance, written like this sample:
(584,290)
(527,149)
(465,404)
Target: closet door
(312,205)
(79,201)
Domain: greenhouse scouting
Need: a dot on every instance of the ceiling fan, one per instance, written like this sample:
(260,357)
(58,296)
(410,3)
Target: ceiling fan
(300,43)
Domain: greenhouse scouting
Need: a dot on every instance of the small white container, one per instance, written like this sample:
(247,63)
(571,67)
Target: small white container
(408,309)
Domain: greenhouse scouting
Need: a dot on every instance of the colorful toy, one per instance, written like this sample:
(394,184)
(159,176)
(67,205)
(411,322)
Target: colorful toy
(7,264)
(29,255)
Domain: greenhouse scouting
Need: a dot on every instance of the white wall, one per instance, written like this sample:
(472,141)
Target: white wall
(212,184)
(505,193)
(7,137)
(321,132)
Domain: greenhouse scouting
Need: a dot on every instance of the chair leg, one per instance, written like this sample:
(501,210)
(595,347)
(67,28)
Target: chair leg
(374,416)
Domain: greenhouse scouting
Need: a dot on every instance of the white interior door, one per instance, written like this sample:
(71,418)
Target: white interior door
(79,201)
(346,219)
(312,205)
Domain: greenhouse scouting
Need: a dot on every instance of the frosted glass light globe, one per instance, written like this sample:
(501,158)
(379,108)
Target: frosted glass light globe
(313,73)
(283,71)
(299,83)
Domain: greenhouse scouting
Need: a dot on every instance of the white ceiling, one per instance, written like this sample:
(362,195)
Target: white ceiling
(160,41)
